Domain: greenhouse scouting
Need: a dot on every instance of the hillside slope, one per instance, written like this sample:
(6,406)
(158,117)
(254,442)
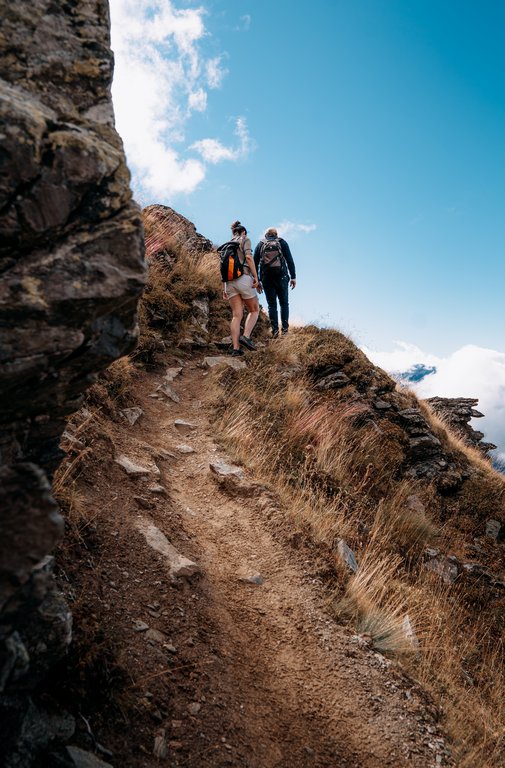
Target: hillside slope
(346,606)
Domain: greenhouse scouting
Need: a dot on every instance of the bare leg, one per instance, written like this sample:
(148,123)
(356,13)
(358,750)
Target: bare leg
(254,310)
(237,307)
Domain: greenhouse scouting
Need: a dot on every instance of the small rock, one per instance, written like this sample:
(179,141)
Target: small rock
(155,636)
(184,427)
(222,469)
(347,555)
(382,405)
(132,415)
(495,530)
(232,362)
(158,489)
(194,708)
(167,390)
(253,578)
(178,564)
(415,504)
(170,648)
(140,626)
(163,454)
(183,448)
(160,749)
(135,470)
(172,373)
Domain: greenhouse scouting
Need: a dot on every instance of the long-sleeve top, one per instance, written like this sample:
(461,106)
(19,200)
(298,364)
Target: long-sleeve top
(286,252)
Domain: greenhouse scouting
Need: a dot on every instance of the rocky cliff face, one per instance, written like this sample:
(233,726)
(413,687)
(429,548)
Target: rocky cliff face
(71,264)
(457,412)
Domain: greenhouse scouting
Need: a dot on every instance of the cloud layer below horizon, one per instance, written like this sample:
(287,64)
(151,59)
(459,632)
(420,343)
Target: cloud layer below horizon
(471,371)
(162,78)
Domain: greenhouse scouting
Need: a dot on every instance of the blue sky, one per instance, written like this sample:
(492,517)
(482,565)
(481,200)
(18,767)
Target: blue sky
(373,129)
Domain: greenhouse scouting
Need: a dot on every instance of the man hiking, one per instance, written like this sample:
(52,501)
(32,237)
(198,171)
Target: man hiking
(240,281)
(276,270)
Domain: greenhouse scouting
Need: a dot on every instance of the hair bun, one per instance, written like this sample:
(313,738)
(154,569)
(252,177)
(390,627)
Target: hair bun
(236,224)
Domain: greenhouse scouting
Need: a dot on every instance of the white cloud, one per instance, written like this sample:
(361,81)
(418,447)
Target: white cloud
(245,23)
(291,228)
(161,79)
(471,371)
(213,151)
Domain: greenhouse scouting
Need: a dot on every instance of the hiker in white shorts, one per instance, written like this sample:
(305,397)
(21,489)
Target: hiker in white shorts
(242,291)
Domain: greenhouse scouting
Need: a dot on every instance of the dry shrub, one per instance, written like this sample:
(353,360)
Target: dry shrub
(177,275)
(341,477)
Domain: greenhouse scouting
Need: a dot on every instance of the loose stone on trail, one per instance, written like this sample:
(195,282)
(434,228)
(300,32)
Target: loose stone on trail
(178,565)
(133,469)
(347,555)
(184,427)
(132,415)
(232,362)
(183,448)
(222,469)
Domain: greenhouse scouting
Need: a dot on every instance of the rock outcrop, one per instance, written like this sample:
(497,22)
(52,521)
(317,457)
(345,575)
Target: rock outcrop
(71,263)
(166,226)
(457,413)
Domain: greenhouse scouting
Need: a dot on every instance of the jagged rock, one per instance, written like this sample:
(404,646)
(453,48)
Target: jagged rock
(183,448)
(26,731)
(231,362)
(335,380)
(347,555)
(160,490)
(172,373)
(178,565)
(222,469)
(166,389)
(194,708)
(71,256)
(173,231)
(82,759)
(445,567)
(457,413)
(132,415)
(201,312)
(184,427)
(495,530)
(160,749)
(155,636)
(253,578)
(135,470)
(140,626)
(424,445)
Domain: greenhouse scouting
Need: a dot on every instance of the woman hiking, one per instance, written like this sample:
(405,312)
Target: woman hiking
(242,289)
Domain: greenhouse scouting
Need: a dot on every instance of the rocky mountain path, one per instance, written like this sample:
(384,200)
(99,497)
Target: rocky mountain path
(259,674)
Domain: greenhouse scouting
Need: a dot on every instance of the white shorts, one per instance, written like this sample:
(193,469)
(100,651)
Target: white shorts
(242,286)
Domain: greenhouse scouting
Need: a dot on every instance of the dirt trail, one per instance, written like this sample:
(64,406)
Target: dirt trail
(270,681)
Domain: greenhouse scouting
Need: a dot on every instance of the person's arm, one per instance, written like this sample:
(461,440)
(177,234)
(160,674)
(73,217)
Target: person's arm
(250,261)
(289,261)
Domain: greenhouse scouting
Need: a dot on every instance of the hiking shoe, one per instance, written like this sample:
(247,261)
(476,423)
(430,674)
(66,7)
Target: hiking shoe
(246,342)
(284,331)
(275,334)
(237,352)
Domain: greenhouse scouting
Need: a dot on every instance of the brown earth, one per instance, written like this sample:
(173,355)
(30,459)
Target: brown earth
(242,674)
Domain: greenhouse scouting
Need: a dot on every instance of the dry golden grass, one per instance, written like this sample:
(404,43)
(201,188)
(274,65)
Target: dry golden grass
(339,473)
(177,276)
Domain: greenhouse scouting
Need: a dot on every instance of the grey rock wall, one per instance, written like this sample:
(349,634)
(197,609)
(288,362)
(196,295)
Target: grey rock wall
(71,272)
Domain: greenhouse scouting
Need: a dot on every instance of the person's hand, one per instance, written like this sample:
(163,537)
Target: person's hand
(259,287)
(255,282)
(225,294)
(292,283)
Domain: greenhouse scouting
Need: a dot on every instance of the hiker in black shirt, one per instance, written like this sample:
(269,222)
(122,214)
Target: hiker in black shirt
(276,271)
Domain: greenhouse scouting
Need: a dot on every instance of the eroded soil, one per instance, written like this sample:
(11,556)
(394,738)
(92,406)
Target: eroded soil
(236,673)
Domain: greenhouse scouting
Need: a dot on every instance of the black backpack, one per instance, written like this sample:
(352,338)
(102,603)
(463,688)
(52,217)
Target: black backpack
(272,258)
(231,266)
